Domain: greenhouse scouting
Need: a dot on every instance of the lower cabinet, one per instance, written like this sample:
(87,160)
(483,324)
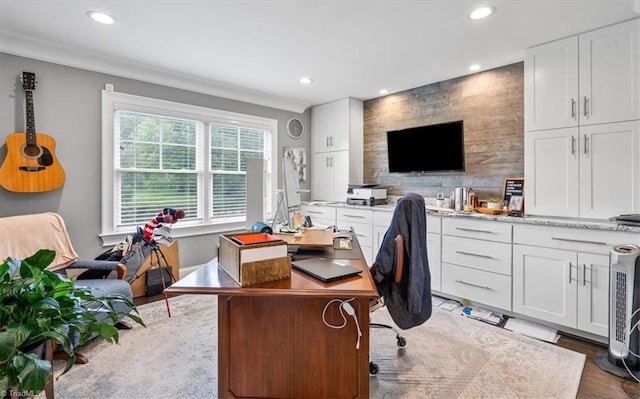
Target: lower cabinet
(320,215)
(361,221)
(476,261)
(564,287)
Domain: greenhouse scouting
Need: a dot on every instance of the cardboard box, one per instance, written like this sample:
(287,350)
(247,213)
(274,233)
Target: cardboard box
(254,258)
(171,253)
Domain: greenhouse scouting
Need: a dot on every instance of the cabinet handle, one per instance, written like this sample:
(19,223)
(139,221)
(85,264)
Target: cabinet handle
(331,141)
(585,143)
(472,254)
(573,108)
(573,144)
(319,213)
(579,241)
(327,141)
(474,285)
(586,102)
(584,274)
(331,161)
(353,216)
(570,270)
(474,230)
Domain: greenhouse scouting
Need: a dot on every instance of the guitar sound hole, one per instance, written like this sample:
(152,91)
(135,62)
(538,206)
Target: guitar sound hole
(31,151)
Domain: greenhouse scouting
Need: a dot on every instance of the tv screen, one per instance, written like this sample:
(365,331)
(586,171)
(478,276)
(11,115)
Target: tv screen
(432,148)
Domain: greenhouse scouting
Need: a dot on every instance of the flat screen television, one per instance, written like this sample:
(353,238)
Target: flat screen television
(432,148)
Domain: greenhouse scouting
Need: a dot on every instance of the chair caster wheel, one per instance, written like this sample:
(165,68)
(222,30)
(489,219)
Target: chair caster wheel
(373,368)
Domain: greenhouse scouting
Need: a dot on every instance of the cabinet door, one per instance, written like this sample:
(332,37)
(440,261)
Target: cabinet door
(609,169)
(434,256)
(339,139)
(321,127)
(610,74)
(545,284)
(340,169)
(322,181)
(551,172)
(593,293)
(551,85)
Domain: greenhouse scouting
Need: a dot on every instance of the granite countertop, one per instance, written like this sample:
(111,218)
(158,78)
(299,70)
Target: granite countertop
(596,224)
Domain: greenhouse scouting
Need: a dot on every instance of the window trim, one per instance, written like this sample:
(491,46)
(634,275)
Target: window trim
(114,100)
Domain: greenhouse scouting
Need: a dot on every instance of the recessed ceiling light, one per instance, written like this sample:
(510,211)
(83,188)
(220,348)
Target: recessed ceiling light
(305,80)
(482,12)
(101,17)
(384,91)
(474,67)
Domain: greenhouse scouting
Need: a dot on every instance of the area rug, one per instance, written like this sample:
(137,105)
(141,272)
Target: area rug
(450,356)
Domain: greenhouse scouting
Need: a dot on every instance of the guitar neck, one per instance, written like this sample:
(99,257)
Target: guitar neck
(30,118)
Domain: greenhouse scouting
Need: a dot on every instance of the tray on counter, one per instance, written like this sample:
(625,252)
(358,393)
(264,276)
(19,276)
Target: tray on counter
(492,211)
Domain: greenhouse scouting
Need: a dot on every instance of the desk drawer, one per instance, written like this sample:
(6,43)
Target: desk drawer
(477,286)
(348,216)
(322,213)
(482,255)
(478,229)
(574,239)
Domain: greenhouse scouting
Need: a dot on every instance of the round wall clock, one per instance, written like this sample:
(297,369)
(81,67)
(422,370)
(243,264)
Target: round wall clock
(294,127)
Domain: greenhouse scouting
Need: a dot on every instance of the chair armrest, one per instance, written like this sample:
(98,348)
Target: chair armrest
(399,258)
(121,270)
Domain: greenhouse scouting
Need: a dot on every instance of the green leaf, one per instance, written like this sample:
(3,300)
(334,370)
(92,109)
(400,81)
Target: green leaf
(34,373)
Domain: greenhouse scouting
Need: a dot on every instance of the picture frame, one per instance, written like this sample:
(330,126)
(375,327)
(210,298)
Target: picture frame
(513,195)
(516,203)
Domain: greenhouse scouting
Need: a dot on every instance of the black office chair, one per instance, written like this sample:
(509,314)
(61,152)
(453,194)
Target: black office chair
(401,269)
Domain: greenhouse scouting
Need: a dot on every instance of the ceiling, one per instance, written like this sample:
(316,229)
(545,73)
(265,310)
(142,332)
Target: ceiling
(256,50)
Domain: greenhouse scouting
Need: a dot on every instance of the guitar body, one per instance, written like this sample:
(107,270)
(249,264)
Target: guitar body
(31,168)
(31,165)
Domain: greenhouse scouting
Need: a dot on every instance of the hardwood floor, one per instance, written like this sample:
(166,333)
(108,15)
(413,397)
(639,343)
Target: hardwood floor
(594,384)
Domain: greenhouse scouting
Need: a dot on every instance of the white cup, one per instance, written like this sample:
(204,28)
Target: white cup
(440,202)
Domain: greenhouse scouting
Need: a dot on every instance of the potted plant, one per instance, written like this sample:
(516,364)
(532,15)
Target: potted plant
(37,305)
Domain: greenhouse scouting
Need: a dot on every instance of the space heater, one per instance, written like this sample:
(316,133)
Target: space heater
(623,356)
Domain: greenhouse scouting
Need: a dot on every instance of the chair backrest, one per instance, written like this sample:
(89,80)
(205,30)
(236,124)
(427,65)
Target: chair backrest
(22,236)
(401,268)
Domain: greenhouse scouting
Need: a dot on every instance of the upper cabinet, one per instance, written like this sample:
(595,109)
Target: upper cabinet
(588,79)
(337,146)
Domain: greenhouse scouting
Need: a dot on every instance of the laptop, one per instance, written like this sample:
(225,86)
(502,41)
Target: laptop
(324,269)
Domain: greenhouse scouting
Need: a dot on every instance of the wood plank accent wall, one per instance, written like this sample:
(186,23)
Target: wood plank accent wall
(491,103)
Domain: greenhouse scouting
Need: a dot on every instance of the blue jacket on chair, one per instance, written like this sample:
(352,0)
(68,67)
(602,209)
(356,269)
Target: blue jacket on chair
(409,301)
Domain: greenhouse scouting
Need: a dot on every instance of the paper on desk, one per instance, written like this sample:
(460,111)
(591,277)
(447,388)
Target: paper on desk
(532,330)
(317,226)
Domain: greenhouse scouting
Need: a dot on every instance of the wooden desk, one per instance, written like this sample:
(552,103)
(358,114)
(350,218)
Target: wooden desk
(310,238)
(272,341)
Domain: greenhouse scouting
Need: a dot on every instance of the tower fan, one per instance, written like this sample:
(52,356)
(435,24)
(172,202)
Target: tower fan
(623,357)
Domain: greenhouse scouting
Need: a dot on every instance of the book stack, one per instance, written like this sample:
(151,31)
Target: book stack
(254,258)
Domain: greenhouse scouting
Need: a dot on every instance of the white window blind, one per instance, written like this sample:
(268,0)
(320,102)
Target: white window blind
(159,154)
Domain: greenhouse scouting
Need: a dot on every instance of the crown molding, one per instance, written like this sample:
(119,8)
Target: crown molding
(24,46)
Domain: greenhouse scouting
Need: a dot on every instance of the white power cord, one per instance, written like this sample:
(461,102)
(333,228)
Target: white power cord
(344,306)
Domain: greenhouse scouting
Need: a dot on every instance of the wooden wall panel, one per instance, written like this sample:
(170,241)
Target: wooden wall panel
(491,103)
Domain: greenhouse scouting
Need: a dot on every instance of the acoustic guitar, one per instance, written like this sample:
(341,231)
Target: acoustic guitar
(31,165)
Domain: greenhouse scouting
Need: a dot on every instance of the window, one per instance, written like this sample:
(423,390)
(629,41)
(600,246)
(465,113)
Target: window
(159,154)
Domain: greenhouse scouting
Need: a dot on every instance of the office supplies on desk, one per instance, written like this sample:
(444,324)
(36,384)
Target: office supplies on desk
(324,269)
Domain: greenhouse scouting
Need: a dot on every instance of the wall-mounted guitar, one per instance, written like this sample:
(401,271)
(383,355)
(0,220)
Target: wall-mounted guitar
(31,165)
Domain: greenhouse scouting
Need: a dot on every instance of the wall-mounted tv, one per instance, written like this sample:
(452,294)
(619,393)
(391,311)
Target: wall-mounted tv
(432,148)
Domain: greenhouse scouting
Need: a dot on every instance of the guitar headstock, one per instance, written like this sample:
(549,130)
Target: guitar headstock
(28,80)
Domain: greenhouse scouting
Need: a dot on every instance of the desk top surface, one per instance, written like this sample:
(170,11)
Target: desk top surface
(211,279)
(310,238)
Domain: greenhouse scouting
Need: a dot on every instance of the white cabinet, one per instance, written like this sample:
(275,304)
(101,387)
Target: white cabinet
(476,261)
(561,275)
(320,215)
(337,147)
(330,178)
(361,221)
(582,122)
(434,250)
(590,172)
(587,79)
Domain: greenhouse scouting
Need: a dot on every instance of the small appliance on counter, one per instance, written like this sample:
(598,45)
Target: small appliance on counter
(366,194)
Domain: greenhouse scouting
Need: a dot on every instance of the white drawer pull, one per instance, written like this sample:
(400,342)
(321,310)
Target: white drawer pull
(475,230)
(580,241)
(472,254)
(353,216)
(474,285)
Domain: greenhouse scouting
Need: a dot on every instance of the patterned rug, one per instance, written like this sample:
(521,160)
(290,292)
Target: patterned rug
(449,356)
